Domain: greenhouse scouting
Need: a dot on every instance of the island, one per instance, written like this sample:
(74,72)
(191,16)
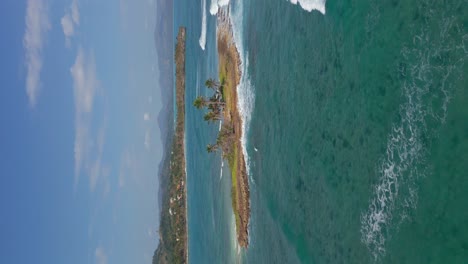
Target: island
(173,236)
(223,106)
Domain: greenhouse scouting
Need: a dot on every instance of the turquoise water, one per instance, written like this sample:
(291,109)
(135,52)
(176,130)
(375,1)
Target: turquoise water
(358,138)
(209,204)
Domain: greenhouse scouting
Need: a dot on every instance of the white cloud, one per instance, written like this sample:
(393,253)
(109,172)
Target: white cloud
(85,82)
(85,85)
(147,140)
(81,146)
(67,25)
(127,166)
(97,169)
(150,232)
(100,256)
(37,26)
(75,12)
(70,21)
(146,116)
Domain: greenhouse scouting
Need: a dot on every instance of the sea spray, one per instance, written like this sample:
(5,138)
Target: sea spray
(216,5)
(202,39)
(310,5)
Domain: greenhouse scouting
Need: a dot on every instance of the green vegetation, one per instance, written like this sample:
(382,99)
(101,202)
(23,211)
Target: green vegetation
(223,106)
(226,140)
(216,112)
(173,227)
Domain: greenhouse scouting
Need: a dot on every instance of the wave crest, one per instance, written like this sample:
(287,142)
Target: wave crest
(216,5)
(310,5)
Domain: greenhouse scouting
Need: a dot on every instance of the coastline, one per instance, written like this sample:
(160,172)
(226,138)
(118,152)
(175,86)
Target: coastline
(173,229)
(230,74)
(180,97)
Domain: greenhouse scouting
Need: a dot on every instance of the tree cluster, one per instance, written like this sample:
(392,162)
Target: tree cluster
(216,106)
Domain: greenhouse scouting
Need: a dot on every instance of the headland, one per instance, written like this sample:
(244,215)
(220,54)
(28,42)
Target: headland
(173,234)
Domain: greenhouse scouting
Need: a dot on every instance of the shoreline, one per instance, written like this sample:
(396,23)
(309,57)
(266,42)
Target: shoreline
(173,229)
(230,73)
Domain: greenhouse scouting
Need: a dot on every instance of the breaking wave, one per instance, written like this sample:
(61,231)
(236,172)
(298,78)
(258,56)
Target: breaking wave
(310,5)
(221,172)
(216,4)
(202,39)
(426,91)
(245,89)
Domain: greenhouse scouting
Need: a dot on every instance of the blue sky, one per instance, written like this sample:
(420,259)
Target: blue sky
(80,144)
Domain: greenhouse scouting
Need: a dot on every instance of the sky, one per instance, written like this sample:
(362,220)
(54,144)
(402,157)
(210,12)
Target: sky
(80,146)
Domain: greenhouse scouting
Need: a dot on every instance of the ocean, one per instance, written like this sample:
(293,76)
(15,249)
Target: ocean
(356,131)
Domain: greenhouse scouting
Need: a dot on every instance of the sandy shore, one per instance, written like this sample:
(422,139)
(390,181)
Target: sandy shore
(229,70)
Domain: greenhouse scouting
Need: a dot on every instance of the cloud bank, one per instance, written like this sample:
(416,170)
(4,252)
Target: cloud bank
(37,26)
(70,21)
(85,85)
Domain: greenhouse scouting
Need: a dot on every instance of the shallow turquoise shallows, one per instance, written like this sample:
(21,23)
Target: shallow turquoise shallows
(358,138)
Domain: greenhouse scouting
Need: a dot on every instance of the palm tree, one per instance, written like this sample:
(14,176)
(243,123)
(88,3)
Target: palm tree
(211,147)
(212,84)
(199,102)
(211,117)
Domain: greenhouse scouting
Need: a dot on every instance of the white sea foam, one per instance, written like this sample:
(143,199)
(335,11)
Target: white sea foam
(245,88)
(216,5)
(202,39)
(398,172)
(404,161)
(222,160)
(310,5)
(221,172)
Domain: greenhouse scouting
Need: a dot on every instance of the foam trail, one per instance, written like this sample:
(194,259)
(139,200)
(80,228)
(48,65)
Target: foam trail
(202,39)
(245,91)
(216,4)
(222,166)
(310,5)
(222,161)
(407,144)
